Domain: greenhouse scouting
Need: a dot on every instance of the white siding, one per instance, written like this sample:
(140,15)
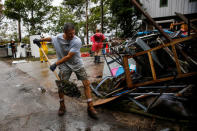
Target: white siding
(181,6)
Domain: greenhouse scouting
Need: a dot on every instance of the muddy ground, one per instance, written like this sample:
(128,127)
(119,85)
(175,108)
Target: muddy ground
(23,107)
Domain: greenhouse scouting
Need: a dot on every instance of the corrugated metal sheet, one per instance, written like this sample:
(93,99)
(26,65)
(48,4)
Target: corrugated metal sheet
(181,6)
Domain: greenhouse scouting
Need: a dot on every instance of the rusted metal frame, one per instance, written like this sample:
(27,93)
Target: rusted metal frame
(127,71)
(176,59)
(138,103)
(188,58)
(152,66)
(181,16)
(108,65)
(118,59)
(171,56)
(164,79)
(114,60)
(164,45)
(151,20)
(180,93)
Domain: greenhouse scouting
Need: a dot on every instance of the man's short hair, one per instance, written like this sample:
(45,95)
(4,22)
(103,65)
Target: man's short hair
(68,26)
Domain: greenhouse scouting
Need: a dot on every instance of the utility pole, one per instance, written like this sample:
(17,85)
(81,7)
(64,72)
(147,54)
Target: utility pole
(102,16)
(87,22)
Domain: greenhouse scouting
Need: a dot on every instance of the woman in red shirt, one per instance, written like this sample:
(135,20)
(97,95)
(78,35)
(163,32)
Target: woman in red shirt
(97,40)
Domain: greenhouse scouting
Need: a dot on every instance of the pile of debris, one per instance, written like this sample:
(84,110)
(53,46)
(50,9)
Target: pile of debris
(162,80)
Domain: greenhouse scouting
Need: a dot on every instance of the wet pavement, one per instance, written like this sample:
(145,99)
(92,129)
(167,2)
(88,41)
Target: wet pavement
(24,108)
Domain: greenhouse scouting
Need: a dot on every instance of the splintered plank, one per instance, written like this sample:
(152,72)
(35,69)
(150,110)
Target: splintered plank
(103,101)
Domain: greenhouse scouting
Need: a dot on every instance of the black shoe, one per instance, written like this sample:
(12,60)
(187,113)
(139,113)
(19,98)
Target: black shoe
(95,59)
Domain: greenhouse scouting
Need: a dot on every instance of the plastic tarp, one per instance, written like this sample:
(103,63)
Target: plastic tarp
(115,66)
(117,71)
(34,48)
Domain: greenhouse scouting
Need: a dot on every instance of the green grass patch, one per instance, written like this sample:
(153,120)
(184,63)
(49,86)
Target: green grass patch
(50,45)
(85,49)
(51,52)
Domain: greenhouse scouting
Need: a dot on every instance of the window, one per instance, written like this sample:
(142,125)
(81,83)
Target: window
(192,0)
(163,3)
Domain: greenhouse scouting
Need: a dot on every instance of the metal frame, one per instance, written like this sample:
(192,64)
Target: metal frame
(154,76)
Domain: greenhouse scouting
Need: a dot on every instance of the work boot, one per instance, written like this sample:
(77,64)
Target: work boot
(95,59)
(62,108)
(98,59)
(91,111)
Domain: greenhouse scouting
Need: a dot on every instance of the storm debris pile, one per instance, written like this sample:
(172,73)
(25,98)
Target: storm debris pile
(164,80)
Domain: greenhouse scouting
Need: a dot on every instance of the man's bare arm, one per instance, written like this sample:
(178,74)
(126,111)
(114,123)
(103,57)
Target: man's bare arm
(48,39)
(65,58)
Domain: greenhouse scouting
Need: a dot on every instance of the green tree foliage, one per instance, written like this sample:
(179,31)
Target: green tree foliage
(14,9)
(77,7)
(32,12)
(1,11)
(78,10)
(26,40)
(8,30)
(36,14)
(125,15)
(58,17)
(95,15)
(76,15)
(94,18)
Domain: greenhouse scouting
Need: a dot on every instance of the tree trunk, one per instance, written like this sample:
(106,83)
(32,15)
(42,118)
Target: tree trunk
(19,30)
(32,28)
(102,16)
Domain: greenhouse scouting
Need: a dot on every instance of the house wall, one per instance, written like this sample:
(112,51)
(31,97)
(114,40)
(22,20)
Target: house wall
(182,6)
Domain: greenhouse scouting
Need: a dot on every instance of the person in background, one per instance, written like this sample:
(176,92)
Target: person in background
(13,47)
(45,48)
(97,40)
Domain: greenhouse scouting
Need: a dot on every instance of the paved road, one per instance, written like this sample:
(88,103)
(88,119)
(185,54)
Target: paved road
(24,108)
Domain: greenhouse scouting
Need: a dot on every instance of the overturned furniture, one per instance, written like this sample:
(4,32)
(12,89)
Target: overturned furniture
(165,76)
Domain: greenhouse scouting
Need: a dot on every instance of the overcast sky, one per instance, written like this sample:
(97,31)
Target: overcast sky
(54,3)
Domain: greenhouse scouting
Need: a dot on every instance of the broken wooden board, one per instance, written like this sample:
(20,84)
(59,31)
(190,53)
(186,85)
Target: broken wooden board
(103,101)
(106,100)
